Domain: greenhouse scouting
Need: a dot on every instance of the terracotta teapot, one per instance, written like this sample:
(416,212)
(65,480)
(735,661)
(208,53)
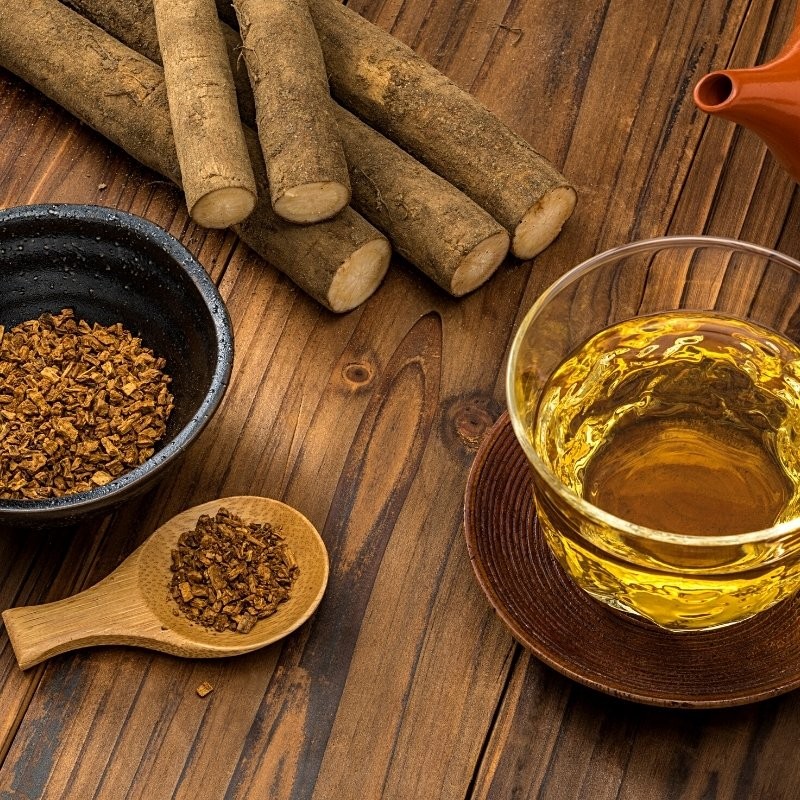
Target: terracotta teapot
(765,99)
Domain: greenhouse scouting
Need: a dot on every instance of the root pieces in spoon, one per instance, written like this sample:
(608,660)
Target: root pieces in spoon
(228,574)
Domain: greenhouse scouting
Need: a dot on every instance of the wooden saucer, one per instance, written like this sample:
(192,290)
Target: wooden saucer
(587,641)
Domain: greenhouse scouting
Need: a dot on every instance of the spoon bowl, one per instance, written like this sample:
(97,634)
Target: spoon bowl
(133,605)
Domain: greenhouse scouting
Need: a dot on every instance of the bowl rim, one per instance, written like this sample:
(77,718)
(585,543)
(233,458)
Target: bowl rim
(113,218)
(597,515)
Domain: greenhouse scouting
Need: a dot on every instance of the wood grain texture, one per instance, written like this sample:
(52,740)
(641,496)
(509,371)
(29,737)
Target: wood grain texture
(404,684)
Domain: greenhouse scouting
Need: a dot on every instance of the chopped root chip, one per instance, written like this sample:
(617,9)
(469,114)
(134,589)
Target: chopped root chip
(204,689)
(228,574)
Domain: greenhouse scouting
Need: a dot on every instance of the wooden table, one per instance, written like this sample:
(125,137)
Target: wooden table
(405,684)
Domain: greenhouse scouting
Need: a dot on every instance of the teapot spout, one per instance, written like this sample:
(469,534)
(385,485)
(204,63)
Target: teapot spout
(743,96)
(716,93)
(765,99)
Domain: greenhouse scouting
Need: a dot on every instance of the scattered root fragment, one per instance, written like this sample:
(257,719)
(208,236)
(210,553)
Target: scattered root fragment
(227,574)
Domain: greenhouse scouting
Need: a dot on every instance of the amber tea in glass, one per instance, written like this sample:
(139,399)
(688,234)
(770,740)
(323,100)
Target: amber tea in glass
(656,391)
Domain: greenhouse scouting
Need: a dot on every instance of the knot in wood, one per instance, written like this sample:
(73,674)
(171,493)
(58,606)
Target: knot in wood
(472,422)
(357,373)
(467,420)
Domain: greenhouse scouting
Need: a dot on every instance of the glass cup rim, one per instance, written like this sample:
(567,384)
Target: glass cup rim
(593,512)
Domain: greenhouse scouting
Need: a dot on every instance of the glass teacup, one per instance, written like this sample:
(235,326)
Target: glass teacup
(655,390)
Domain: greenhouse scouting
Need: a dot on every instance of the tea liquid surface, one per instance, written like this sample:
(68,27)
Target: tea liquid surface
(683,422)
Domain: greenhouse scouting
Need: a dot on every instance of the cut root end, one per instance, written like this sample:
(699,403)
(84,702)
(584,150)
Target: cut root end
(312,202)
(222,208)
(359,276)
(543,222)
(480,264)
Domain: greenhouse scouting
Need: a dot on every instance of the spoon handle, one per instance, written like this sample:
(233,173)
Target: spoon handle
(89,618)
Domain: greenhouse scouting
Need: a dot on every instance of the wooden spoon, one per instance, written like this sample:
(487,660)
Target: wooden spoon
(132,606)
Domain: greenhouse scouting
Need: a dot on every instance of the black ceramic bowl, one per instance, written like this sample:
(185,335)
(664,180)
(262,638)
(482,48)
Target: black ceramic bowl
(109,267)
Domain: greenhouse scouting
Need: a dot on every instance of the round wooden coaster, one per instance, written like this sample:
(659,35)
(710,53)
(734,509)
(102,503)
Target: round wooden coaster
(587,641)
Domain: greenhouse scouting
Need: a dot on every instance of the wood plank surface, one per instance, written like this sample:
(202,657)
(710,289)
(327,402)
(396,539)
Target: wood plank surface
(404,684)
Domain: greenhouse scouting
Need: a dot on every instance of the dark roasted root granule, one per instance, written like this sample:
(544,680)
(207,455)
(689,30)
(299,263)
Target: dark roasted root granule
(80,405)
(227,574)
